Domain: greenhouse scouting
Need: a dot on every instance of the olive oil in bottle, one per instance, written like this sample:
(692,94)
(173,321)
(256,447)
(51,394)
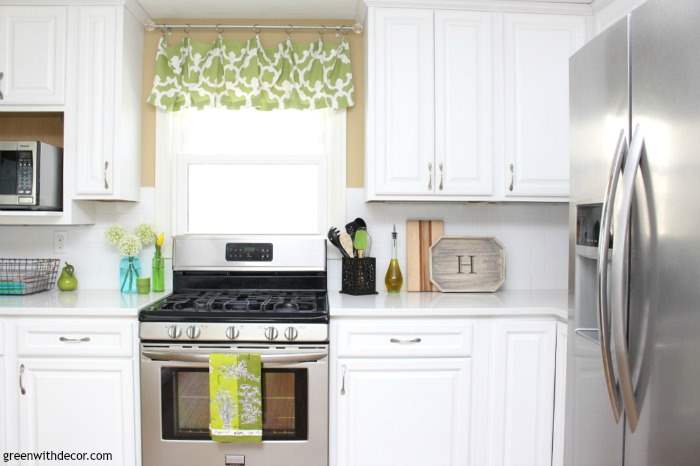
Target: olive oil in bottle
(393,278)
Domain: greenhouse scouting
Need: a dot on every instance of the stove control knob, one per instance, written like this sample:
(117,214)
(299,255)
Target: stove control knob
(193,332)
(174,332)
(271,333)
(291,333)
(232,333)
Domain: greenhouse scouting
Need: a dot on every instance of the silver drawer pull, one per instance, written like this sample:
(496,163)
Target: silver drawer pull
(406,342)
(2,75)
(74,340)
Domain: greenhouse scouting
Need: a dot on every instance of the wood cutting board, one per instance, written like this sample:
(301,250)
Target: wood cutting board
(420,235)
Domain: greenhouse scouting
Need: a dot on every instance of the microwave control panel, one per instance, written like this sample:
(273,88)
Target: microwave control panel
(25,173)
(249,252)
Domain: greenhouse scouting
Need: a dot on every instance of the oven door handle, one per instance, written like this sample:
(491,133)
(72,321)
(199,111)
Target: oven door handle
(204,358)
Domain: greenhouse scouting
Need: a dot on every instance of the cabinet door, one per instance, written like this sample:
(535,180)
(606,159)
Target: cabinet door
(464,103)
(96,98)
(4,417)
(403,412)
(537,51)
(522,388)
(78,405)
(401,101)
(32,55)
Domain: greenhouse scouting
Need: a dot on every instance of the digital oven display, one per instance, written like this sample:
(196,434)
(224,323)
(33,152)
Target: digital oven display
(249,252)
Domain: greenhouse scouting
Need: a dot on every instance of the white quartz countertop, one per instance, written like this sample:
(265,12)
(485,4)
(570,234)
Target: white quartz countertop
(96,303)
(414,304)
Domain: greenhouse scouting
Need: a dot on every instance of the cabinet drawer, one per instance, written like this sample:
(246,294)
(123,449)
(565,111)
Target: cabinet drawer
(69,337)
(398,338)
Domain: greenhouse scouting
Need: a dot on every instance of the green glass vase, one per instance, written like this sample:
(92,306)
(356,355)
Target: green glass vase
(158,272)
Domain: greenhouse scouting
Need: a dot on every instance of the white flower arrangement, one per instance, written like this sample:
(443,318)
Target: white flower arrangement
(130,245)
(145,234)
(114,234)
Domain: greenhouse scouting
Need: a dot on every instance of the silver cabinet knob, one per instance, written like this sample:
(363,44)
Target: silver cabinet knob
(291,333)
(232,333)
(271,333)
(174,332)
(193,332)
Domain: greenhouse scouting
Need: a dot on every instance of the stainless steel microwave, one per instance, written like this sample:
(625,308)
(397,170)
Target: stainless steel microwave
(31,176)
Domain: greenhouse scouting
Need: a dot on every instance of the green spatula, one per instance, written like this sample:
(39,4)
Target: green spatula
(361,242)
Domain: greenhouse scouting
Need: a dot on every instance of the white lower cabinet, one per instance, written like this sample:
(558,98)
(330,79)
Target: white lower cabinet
(71,388)
(408,412)
(3,403)
(78,406)
(522,388)
(488,403)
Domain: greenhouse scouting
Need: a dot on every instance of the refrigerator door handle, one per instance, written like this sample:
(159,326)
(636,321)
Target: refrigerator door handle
(620,278)
(602,276)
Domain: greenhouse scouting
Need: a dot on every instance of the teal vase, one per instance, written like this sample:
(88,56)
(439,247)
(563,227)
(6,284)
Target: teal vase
(129,271)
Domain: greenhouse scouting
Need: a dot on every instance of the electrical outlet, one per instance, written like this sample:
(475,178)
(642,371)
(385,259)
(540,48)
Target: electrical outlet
(59,242)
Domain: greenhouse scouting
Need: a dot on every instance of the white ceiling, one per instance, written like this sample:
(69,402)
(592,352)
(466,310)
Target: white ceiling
(265,9)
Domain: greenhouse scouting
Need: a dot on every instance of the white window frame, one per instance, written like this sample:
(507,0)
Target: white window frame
(171,200)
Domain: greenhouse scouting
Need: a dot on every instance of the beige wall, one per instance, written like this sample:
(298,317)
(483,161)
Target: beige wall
(355,117)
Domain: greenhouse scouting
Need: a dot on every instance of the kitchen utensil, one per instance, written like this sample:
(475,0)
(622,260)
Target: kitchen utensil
(346,242)
(361,242)
(420,235)
(334,238)
(461,264)
(355,225)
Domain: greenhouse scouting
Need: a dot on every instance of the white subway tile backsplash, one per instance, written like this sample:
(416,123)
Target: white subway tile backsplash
(535,237)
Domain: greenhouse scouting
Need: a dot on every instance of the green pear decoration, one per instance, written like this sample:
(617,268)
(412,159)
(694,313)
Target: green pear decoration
(67,280)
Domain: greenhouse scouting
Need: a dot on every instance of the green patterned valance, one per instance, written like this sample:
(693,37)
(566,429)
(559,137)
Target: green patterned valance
(239,75)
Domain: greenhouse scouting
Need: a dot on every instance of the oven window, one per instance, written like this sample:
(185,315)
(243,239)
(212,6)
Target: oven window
(8,172)
(185,404)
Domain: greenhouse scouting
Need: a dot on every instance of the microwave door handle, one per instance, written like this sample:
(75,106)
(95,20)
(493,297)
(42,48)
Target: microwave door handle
(603,311)
(620,278)
(290,358)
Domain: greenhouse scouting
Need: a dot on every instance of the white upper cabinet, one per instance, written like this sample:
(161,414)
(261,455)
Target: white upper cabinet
(401,101)
(464,103)
(107,114)
(469,105)
(33,55)
(537,51)
(408,412)
(95,98)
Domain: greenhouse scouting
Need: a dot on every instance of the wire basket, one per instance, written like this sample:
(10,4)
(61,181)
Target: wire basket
(27,276)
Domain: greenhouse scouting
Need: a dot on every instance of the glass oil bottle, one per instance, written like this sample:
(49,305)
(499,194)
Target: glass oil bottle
(393,278)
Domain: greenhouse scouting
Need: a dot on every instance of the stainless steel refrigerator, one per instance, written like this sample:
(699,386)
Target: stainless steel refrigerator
(633,369)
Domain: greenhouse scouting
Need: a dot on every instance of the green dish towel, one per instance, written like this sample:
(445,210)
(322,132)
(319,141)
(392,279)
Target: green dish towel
(235,397)
(12,287)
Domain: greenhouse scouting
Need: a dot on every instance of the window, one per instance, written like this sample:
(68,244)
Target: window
(250,172)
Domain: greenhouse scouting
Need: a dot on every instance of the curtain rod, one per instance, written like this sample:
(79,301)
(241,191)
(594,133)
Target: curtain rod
(289,28)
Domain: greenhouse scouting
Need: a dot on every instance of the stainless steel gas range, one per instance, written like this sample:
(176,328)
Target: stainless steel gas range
(238,294)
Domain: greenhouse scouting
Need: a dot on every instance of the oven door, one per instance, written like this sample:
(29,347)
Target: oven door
(175,407)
